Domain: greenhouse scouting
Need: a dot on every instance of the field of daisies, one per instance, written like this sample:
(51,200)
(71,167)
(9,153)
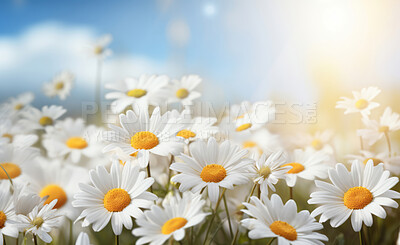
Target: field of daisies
(168,173)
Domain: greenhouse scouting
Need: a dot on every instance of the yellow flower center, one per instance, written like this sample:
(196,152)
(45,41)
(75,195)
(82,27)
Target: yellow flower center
(249,144)
(283,229)
(182,93)
(3,219)
(132,155)
(77,143)
(144,140)
(265,171)
(357,197)
(46,121)
(213,173)
(384,129)
(54,192)
(12,169)
(239,212)
(98,50)
(173,225)
(116,200)
(296,167)
(317,144)
(361,104)
(243,127)
(38,221)
(8,136)
(186,134)
(376,161)
(59,85)
(18,107)
(137,92)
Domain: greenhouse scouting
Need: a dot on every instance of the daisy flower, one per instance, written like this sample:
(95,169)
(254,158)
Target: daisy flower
(141,135)
(24,200)
(16,161)
(73,139)
(117,195)
(247,116)
(14,133)
(8,113)
(320,141)
(361,101)
(148,89)
(157,225)
(212,166)
(391,163)
(258,142)
(358,193)
(99,48)
(52,181)
(306,165)
(20,102)
(389,122)
(39,119)
(272,218)
(40,221)
(195,128)
(60,86)
(7,213)
(268,170)
(184,90)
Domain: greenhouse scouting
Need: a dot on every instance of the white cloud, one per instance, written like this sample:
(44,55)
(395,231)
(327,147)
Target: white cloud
(37,54)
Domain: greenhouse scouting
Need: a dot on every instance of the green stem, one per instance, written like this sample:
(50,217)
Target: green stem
(169,173)
(270,241)
(35,239)
(247,200)
(227,215)
(216,231)
(8,176)
(171,240)
(116,240)
(149,175)
(71,232)
(213,217)
(251,192)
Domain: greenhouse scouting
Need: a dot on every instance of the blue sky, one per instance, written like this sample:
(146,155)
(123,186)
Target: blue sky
(243,49)
(139,28)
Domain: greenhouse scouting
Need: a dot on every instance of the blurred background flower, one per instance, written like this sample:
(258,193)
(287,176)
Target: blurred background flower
(303,55)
